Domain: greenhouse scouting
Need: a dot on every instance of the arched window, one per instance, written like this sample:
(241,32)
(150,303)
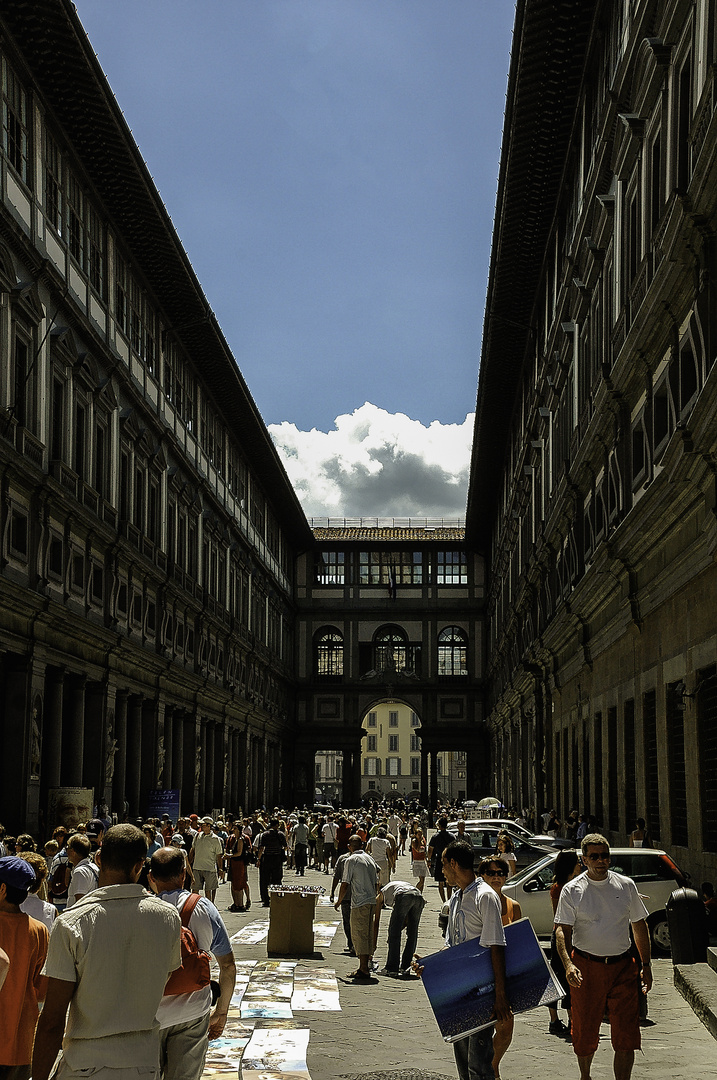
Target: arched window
(390,649)
(452,651)
(329,645)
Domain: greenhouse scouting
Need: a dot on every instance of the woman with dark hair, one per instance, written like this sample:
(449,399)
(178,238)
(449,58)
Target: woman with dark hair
(567,866)
(235,861)
(505,849)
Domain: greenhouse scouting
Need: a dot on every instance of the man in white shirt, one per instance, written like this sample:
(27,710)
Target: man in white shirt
(406,905)
(108,960)
(207,859)
(328,832)
(361,873)
(474,912)
(592,931)
(186,1020)
(85,873)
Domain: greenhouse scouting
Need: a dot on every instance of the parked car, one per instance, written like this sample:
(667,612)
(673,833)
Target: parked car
(653,871)
(514,830)
(485,838)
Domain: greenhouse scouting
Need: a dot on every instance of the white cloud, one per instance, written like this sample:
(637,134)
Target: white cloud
(378,464)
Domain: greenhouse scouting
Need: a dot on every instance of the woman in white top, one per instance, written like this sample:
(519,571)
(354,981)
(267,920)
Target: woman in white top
(506,850)
(34,906)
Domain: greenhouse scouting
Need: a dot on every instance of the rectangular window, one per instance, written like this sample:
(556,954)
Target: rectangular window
(452,568)
(330,568)
(630,763)
(393,743)
(652,779)
(675,716)
(371,766)
(75,221)
(415,766)
(415,742)
(393,766)
(80,440)
(372,719)
(371,740)
(415,722)
(612,777)
(15,130)
(707,737)
(390,567)
(393,719)
(53,184)
(57,433)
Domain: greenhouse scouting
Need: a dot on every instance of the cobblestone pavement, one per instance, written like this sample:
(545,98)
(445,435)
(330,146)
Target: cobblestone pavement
(386,1030)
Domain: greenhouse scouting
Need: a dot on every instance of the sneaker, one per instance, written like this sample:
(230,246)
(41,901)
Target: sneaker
(557,1027)
(389,972)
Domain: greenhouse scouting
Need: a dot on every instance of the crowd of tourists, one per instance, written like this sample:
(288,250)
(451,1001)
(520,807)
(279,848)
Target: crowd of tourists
(101,913)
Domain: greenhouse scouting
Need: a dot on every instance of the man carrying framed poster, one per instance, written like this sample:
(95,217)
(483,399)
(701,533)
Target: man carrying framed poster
(474,912)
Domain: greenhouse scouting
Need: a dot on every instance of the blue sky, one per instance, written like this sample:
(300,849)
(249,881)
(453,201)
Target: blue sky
(331,166)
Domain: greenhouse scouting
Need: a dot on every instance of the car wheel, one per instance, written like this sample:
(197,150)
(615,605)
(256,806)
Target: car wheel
(659,934)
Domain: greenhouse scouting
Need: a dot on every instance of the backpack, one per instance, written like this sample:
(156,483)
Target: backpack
(194,972)
(58,885)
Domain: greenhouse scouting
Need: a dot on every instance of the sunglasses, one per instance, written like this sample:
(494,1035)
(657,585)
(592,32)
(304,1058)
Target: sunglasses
(495,873)
(597,857)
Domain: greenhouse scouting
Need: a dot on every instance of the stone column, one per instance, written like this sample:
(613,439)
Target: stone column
(434,779)
(209,775)
(178,750)
(425,793)
(52,733)
(168,732)
(134,754)
(73,758)
(118,766)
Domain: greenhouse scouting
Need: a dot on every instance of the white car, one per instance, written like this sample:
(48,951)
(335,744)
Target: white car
(652,870)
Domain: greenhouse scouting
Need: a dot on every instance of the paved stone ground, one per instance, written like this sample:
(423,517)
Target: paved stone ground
(386,1030)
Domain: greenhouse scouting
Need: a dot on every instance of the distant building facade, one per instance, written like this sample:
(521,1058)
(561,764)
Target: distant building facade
(390,658)
(593,492)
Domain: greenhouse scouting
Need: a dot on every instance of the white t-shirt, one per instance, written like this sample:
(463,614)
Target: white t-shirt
(600,912)
(379,847)
(393,888)
(329,831)
(207,847)
(39,909)
(85,879)
(474,912)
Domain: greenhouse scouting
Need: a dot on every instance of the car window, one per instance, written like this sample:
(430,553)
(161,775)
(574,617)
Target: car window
(544,867)
(643,867)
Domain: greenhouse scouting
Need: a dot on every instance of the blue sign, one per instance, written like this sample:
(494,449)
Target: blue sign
(161,802)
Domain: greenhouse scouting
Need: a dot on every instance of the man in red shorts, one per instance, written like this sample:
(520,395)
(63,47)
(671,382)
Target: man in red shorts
(592,931)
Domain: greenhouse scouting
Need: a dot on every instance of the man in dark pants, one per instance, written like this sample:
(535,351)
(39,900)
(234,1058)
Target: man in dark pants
(406,905)
(439,841)
(345,903)
(270,855)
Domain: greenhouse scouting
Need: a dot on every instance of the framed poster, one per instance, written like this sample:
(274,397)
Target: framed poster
(461,988)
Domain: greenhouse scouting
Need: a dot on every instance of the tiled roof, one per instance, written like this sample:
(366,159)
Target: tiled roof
(375,535)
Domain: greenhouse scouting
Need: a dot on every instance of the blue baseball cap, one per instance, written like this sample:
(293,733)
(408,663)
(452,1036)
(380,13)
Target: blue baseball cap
(16,873)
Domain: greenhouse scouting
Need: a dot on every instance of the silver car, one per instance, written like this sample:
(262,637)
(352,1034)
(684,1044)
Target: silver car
(652,870)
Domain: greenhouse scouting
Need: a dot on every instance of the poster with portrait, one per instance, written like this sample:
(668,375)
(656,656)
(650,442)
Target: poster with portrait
(69,806)
(461,989)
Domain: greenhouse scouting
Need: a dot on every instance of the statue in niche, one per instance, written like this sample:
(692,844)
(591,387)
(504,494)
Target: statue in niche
(226,768)
(161,754)
(35,745)
(198,765)
(111,748)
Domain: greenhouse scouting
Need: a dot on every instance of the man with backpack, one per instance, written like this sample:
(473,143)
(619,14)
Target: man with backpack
(185,1014)
(85,873)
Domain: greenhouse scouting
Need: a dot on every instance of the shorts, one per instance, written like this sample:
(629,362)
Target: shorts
(419,868)
(362,929)
(614,988)
(205,879)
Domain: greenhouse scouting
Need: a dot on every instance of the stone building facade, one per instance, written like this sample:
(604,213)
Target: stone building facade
(147,528)
(390,614)
(593,493)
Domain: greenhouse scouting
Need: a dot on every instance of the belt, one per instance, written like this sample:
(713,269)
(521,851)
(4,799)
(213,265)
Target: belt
(603,959)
